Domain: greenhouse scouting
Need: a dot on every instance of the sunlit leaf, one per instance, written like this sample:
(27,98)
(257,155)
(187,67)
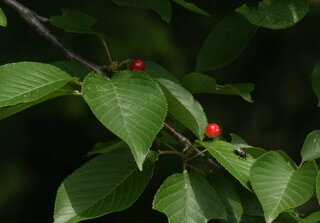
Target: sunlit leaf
(3,18)
(188,197)
(184,107)
(311,147)
(108,183)
(25,82)
(279,186)
(275,14)
(131,105)
(224,153)
(8,111)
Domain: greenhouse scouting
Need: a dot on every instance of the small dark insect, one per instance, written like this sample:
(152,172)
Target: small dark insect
(240,152)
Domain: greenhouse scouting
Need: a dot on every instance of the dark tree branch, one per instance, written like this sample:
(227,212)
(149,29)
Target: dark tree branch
(183,140)
(35,21)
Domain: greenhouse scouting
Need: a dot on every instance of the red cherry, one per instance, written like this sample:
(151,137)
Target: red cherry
(213,130)
(137,64)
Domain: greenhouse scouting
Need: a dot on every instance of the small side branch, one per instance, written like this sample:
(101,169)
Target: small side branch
(183,140)
(35,21)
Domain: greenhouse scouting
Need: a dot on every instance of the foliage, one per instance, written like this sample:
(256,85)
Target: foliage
(136,105)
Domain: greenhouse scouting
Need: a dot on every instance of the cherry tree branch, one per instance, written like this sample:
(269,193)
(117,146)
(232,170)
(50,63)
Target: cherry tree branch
(183,140)
(186,143)
(36,22)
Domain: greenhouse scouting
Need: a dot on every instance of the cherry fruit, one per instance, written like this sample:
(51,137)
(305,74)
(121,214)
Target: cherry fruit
(137,64)
(213,130)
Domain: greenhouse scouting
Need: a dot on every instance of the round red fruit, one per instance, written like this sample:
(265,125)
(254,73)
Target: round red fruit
(213,130)
(137,64)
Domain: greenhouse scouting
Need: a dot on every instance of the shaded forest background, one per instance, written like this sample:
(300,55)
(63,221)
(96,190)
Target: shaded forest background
(42,145)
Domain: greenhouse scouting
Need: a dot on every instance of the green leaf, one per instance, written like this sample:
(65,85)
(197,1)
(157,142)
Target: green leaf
(275,14)
(311,147)
(184,107)
(241,89)
(315,81)
(313,218)
(188,197)
(250,203)
(73,68)
(108,183)
(192,7)
(162,7)
(289,217)
(228,195)
(25,82)
(235,139)
(223,152)
(201,83)
(279,186)
(318,187)
(3,18)
(101,148)
(8,111)
(159,72)
(73,21)
(131,105)
(225,43)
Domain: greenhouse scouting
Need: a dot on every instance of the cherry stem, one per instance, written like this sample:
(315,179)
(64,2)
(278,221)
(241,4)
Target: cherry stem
(164,152)
(200,153)
(196,169)
(124,62)
(104,42)
(36,22)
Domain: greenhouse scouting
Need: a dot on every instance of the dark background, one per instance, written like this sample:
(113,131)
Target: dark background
(42,145)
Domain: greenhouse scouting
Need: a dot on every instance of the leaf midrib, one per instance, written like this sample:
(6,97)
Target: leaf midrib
(111,191)
(30,91)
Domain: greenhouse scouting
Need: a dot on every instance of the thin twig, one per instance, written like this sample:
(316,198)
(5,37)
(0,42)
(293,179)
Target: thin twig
(196,169)
(35,21)
(183,140)
(163,152)
(186,143)
(105,45)
(200,153)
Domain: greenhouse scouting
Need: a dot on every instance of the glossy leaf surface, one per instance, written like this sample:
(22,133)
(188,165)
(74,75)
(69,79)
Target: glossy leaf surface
(183,107)
(188,197)
(108,183)
(25,82)
(311,147)
(275,14)
(131,105)
(279,186)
